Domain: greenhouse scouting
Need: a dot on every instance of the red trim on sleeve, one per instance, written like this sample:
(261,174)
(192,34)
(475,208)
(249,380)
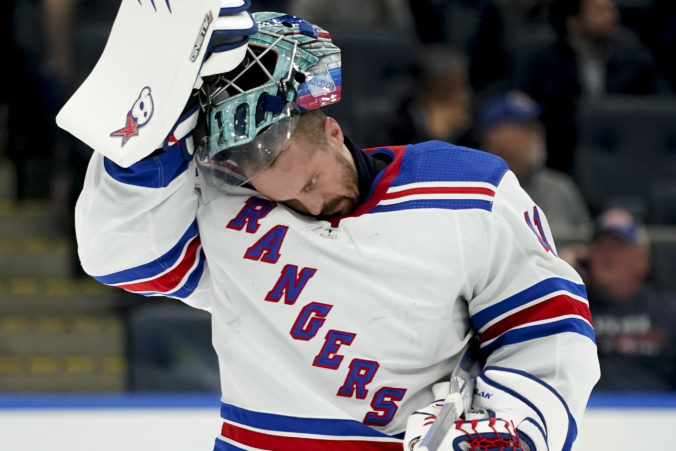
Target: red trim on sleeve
(549,309)
(169,280)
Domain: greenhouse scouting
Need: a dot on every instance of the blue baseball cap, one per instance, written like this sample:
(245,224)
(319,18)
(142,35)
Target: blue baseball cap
(621,224)
(514,107)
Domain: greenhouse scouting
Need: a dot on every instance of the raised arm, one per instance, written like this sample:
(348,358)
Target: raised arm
(135,218)
(136,226)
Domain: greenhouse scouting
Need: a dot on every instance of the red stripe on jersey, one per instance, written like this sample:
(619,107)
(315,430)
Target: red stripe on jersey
(281,443)
(170,280)
(551,308)
(441,190)
(379,190)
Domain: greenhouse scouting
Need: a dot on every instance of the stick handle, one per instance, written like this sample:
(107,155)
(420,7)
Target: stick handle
(447,417)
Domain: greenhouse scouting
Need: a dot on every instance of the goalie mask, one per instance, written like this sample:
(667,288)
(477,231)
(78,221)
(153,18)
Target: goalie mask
(291,67)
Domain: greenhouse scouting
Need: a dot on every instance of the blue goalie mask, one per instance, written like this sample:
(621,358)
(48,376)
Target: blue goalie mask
(291,66)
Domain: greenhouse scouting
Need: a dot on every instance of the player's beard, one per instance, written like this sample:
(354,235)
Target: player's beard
(345,203)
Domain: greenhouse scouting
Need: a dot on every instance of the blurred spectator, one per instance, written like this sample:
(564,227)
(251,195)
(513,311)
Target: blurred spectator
(633,322)
(663,37)
(60,62)
(30,101)
(75,34)
(591,56)
(41,41)
(440,106)
(520,13)
(377,31)
(327,14)
(509,127)
(475,27)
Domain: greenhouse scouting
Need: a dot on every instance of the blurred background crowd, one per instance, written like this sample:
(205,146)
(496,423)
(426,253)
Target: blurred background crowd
(576,95)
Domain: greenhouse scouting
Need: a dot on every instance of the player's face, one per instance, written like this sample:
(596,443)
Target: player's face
(317,182)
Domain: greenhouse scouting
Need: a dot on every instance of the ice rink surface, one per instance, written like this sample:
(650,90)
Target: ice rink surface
(191,422)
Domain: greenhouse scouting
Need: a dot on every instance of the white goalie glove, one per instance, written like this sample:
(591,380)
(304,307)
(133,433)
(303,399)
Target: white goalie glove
(501,417)
(155,55)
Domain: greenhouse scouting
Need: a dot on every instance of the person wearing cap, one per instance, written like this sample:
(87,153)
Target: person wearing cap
(633,321)
(509,127)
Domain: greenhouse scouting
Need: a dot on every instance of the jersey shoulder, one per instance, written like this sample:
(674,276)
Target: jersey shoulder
(437,175)
(437,161)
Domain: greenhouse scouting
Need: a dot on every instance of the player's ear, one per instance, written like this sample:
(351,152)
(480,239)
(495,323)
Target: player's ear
(334,134)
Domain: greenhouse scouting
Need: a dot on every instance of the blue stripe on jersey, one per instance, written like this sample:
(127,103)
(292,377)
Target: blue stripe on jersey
(154,267)
(220,445)
(540,289)
(449,204)
(436,161)
(519,335)
(284,423)
(193,280)
(188,287)
(155,172)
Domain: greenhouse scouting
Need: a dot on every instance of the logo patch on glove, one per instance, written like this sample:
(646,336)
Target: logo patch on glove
(138,116)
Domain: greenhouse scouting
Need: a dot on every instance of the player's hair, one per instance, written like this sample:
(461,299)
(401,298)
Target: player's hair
(560,10)
(310,128)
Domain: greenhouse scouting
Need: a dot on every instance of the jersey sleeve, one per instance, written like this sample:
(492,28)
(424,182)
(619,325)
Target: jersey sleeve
(531,313)
(136,227)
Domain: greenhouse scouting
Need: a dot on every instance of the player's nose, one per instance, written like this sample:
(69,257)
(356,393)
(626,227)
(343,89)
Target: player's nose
(313,203)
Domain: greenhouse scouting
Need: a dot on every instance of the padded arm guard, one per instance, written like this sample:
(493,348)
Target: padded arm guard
(541,416)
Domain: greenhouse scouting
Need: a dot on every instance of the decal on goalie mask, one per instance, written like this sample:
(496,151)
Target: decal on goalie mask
(291,66)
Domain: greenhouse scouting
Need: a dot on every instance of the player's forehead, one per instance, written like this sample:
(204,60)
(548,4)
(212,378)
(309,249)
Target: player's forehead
(296,157)
(290,172)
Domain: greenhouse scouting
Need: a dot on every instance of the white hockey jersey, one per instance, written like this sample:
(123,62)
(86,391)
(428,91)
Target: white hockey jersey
(330,333)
